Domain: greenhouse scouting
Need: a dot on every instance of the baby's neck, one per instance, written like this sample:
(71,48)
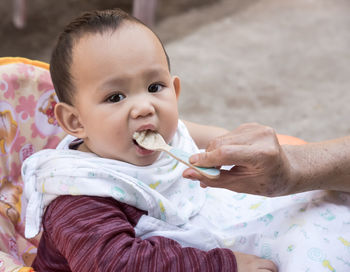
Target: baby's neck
(83,148)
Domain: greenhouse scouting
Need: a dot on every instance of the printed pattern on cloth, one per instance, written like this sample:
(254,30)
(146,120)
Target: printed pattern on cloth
(27,124)
(302,232)
(159,188)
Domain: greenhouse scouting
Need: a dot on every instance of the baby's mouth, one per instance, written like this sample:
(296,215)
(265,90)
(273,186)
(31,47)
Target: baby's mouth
(141,133)
(135,143)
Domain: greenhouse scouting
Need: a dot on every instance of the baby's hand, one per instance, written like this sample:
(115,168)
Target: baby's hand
(252,263)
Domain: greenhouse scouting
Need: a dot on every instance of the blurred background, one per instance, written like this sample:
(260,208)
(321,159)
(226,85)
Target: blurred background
(277,62)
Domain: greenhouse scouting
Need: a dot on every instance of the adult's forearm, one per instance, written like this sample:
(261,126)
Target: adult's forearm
(323,165)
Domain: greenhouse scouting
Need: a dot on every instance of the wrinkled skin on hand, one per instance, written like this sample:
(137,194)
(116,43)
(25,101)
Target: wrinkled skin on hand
(261,166)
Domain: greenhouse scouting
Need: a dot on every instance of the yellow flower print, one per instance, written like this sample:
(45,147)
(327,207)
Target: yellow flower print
(154,185)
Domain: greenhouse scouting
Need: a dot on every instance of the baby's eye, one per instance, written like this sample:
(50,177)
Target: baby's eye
(114,98)
(154,88)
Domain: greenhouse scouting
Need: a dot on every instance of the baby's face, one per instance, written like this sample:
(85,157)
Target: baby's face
(123,85)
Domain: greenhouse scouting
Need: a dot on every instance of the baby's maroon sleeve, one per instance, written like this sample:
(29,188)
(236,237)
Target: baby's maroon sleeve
(83,233)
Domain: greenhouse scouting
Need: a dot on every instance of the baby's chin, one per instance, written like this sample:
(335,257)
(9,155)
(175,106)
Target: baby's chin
(146,163)
(143,161)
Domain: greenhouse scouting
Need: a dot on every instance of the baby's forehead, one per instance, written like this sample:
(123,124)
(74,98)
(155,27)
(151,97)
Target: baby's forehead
(128,37)
(130,51)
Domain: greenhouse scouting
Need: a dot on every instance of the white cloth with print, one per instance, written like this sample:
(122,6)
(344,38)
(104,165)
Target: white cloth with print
(302,232)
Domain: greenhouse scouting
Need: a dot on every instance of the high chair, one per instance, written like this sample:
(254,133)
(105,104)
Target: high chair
(27,125)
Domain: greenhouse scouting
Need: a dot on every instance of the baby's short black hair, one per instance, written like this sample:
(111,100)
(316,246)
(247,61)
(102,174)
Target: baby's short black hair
(88,23)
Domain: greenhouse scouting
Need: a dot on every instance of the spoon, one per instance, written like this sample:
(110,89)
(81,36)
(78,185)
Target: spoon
(154,141)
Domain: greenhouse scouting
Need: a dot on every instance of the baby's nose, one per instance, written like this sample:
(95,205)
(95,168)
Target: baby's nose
(142,108)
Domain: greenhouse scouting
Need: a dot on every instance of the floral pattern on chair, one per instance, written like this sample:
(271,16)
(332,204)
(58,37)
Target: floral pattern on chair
(27,124)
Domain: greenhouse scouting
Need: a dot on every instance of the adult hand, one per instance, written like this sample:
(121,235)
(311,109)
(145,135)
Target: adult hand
(265,167)
(261,166)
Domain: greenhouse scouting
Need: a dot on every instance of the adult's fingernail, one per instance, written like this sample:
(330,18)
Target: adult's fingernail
(203,185)
(194,158)
(190,174)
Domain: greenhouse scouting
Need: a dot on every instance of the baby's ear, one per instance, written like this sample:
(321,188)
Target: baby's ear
(177,86)
(68,118)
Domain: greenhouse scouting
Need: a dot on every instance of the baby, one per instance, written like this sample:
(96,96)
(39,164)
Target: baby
(107,204)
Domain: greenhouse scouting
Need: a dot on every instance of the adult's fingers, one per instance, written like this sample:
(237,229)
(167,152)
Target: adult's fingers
(227,155)
(190,173)
(226,180)
(237,179)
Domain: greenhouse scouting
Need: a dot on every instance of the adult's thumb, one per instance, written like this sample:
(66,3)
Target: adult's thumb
(206,159)
(224,155)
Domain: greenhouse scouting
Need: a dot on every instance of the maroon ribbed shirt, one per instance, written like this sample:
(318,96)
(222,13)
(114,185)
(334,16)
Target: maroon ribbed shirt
(84,233)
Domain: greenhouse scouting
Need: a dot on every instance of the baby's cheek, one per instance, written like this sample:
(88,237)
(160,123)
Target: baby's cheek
(172,127)
(169,119)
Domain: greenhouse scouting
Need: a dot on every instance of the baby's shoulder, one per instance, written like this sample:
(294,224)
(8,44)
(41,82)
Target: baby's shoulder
(66,208)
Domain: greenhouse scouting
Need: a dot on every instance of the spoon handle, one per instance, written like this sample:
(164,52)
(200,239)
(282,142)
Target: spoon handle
(183,157)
